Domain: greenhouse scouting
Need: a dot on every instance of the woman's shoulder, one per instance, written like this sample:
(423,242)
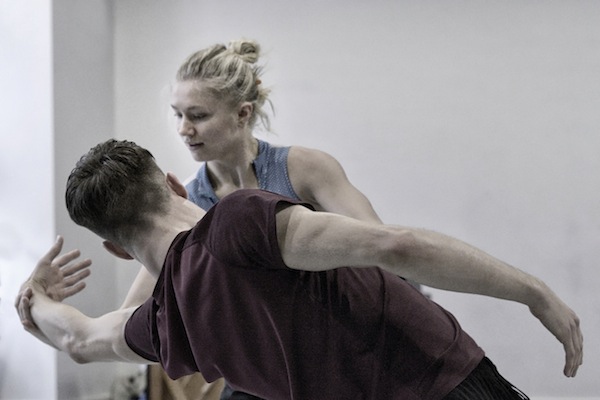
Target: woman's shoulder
(311,157)
(311,171)
(299,151)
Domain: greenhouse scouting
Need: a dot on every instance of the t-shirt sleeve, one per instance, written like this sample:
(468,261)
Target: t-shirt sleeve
(138,331)
(243,231)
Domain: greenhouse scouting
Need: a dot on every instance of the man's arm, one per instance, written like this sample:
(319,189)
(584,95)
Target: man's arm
(318,241)
(85,339)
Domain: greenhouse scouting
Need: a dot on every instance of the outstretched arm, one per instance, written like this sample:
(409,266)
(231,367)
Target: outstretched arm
(317,241)
(85,339)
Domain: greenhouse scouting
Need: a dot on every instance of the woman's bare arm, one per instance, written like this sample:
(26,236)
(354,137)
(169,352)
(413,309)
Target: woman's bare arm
(319,179)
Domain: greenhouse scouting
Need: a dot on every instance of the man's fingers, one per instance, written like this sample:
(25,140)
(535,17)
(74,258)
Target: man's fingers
(77,277)
(77,267)
(52,254)
(18,300)
(26,292)
(563,323)
(24,309)
(574,350)
(54,250)
(72,290)
(572,364)
(67,258)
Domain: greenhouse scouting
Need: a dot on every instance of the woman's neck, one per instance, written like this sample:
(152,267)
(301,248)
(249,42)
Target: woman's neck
(235,172)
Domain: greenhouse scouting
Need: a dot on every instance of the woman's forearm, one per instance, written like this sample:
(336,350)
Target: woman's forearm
(140,290)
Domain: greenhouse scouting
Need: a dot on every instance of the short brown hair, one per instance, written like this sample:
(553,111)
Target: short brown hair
(114,190)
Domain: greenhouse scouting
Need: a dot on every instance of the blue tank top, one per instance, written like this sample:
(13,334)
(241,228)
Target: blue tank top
(270,166)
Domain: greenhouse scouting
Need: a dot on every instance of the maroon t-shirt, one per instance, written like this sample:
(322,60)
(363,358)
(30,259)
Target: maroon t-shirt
(227,306)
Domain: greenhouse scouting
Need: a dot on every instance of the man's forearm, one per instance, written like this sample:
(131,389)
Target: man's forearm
(85,339)
(57,322)
(443,262)
(440,261)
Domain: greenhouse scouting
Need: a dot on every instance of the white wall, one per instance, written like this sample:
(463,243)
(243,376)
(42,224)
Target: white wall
(26,187)
(83,117)
(477,119)
(57,101)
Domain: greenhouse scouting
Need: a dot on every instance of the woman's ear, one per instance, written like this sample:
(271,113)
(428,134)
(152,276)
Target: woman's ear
(116,250)
(245,112)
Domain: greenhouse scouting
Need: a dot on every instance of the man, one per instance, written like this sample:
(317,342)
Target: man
(259,291)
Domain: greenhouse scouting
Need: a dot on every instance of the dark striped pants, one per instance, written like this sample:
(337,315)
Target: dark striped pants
(485,383)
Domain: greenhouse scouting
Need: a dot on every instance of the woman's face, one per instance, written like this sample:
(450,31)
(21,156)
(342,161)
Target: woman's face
(208,125)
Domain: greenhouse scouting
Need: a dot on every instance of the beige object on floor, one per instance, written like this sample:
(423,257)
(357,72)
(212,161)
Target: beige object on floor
(191,387)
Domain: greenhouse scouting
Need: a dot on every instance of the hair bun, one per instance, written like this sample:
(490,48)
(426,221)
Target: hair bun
(248,50)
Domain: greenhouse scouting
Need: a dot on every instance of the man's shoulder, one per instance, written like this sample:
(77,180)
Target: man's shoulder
(251,196)
(251,200)
(244,205)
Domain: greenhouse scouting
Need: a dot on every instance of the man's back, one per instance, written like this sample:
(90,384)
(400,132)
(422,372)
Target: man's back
(226,305)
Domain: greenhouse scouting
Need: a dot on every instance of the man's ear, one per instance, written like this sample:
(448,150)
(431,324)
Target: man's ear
(176,185)
(116,250)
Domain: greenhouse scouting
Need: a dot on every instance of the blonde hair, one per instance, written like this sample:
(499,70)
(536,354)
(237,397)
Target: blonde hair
(232,73)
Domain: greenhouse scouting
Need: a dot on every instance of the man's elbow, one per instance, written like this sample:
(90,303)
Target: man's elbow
(398,249)
(79,359)
(77,350)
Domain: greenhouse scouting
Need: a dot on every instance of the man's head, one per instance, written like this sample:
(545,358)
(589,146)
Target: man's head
(115,190)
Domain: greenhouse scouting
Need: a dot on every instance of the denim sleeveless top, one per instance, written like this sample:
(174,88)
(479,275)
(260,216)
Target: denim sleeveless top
(270,166)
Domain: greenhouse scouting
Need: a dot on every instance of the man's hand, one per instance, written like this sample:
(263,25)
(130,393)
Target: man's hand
(23,306)
(563,323)
(55,276)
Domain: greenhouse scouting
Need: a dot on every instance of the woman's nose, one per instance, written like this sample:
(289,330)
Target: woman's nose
(185,127)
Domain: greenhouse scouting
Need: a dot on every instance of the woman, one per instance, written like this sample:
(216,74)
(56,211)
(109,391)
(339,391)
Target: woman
(218,100)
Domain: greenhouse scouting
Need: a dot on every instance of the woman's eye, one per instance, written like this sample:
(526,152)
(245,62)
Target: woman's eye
(197,117)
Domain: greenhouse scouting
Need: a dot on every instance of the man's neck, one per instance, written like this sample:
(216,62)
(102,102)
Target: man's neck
(152,249)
